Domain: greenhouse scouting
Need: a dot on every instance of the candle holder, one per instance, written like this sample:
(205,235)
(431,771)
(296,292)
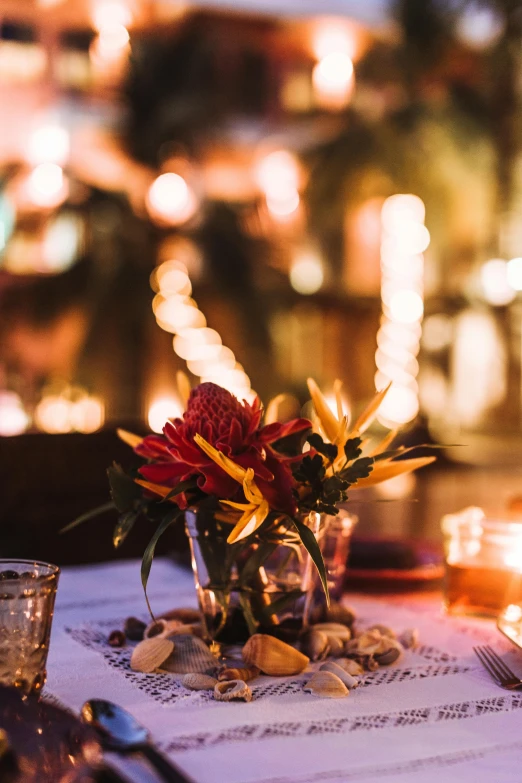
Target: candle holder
(483,559)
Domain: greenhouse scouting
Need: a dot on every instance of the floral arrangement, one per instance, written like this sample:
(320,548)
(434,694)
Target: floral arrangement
(256,472)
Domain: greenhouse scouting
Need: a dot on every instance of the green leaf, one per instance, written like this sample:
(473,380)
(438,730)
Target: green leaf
(352,448)
(255,561)
(312,547)
(281,603)
(148,555)
(124,491)
(124,526)
(181,487)
(94,512)
(248,614)
(327,449)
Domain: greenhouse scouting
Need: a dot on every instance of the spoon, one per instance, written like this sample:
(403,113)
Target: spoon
(121,732)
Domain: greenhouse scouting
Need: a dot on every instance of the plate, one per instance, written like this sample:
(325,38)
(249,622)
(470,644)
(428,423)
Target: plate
(48,742)
(394,560)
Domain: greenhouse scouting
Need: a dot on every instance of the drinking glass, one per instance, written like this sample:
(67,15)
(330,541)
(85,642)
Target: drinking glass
(27,594)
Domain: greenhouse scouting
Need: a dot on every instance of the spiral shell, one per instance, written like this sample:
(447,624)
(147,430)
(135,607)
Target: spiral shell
(230,690)
(246,673)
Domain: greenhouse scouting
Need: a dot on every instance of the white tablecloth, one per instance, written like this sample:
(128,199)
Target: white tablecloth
(434,713)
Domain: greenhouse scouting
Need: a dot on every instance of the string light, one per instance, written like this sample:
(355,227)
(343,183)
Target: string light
(46,185)
(13,417)
(171,200)
(404,238)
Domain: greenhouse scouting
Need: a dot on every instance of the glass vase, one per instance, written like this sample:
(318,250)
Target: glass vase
(266,583)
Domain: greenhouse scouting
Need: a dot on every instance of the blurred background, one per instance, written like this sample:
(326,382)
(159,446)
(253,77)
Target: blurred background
(256,192)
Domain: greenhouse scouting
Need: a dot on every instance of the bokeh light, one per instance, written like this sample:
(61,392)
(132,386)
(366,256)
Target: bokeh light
(48,144)
(13,418)
(514,274)
(333,80)
(161,410)
(278,176)
(46,185)
(306,273)
(496,287)
(171,199)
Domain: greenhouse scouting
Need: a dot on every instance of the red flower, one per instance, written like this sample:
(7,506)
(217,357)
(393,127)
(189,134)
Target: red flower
(231,427)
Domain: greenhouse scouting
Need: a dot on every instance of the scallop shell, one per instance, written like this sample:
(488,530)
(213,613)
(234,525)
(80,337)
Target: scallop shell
(327,685)
(190,654)
(349,665)
(246,673)
(349,681)
(185,616)
(273,656)
(314,643)
(160,628)
(409,638)
(228,690)
(198,682)
(150,654)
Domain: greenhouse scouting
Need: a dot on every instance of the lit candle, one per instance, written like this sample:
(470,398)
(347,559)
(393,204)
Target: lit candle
(483,562)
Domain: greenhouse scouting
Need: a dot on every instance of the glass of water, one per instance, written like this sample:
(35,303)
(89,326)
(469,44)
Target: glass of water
(27,593)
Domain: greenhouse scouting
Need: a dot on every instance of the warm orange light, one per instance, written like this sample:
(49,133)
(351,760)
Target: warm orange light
(108,13)
(333,80)
(171,199)
(46,185)
(87,414)
(161,410)
(53,414)
(48,144)
(13,418)
(278,175)
(334,35)
(306,273)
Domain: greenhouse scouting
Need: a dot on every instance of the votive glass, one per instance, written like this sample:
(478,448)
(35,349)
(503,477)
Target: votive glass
(27,595)
(483,562)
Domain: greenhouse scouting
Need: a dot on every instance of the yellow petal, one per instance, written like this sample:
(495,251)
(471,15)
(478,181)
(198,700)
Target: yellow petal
(238,506)
(129,438)
(382,471)
(338,385)
(158,489)
(184,388)
(229,466)
(249,522)
(385,442)
(250,488)
(328,421)
(272,410)
(369,413)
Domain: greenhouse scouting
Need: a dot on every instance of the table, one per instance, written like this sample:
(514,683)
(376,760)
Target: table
(434,713)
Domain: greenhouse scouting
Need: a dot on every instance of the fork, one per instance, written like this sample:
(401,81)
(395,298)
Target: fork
(500,672)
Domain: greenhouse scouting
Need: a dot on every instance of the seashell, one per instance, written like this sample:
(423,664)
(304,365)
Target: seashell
(246,673)
(150,654)
(349,665)
(409,638)
(185,616)
(384,630)
(335,647)
(195,681)
(193,628)
(315,644)
(368,643)
(349,681)
(160,628)
(390,655)
(327,685)
(116,639)
(190,655)
(370,663)
(273,656)
(334,629)
(339,613)
(228,690)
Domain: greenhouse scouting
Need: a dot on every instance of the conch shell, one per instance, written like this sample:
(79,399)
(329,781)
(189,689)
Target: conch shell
(197,681)
(327,685)
(243,673)
(149,654)
(228,690)
(272,656)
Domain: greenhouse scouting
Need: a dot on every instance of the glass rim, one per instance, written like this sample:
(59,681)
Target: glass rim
(52,575)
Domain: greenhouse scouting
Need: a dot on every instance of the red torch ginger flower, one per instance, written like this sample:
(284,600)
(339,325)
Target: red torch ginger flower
(233,428)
